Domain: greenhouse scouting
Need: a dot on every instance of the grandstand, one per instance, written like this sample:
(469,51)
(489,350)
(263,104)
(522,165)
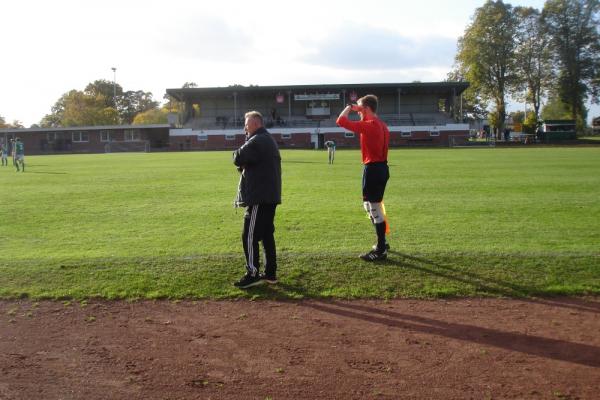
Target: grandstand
(303,116)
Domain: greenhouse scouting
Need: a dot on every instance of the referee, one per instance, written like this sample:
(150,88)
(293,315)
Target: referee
(374,142)
(259,191)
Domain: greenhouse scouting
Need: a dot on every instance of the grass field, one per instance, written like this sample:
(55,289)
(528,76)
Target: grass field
(465,222)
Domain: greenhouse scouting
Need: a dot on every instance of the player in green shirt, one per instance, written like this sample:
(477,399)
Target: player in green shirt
(19,154)
(4,151)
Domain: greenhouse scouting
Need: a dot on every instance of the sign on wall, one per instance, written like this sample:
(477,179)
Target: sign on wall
(317,96)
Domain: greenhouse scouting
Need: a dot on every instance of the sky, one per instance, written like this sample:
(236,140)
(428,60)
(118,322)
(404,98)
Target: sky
(51,47)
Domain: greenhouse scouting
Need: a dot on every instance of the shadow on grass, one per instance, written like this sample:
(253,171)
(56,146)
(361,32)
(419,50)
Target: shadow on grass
(493,286)
(555,349)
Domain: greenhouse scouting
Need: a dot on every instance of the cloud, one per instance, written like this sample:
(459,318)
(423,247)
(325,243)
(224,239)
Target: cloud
(205,39)
(365,47)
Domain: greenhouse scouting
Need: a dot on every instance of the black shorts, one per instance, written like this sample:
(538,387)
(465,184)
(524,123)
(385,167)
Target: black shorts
(375,177)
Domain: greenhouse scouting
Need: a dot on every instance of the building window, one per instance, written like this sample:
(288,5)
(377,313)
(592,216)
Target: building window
(79,136)
(202,137)
(434,133)
(105,136)
(229,137)
(286,135)
(406,133)
(51,137)
(348,134)
(132,135)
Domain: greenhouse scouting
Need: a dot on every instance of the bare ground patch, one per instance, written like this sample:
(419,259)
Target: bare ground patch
(311,349)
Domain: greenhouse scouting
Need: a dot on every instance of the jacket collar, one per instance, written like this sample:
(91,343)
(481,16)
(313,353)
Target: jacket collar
(260,130)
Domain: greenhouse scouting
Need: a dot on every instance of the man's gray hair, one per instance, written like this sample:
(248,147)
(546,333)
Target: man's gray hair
(254,114)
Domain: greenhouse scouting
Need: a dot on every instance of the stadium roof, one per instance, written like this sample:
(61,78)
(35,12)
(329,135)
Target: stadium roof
(442,88)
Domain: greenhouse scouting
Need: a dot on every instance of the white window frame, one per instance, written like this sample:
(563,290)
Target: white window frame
(434,133)
(131,135)
(230,137)
(285,136)
(406,133)
(202,137)
(80,137)
(105,132)
(349,134)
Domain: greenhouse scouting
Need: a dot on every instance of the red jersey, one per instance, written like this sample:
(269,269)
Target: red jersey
(374,137)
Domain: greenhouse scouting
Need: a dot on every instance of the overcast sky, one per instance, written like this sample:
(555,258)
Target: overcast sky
(51,47)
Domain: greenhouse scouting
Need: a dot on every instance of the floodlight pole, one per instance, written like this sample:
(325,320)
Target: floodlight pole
(114,70)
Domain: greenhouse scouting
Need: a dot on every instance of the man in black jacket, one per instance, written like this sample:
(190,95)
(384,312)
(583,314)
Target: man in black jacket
(260,192)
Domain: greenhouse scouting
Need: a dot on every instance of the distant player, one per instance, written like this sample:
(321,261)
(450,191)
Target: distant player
(19,151)
(330,144)
(4,153)
(374,142)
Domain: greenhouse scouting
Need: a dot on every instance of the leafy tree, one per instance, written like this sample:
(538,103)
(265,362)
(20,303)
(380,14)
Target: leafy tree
(132,103)
(530,125)
(486,55)
(573,28)
(518,116)
(555,108)
(95,105)
(16,124)
(473,106)
(154,116)
(106,90)
(83,109)
(533,58)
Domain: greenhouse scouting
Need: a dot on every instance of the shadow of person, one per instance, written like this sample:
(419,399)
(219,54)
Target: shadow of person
(491,285)
(555,349)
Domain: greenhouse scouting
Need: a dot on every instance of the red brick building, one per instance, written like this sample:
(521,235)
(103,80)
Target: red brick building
(91,139)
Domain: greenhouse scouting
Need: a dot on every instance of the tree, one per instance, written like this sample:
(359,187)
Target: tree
(106,89)
(472,105)
(573,28)
(95,105)
(85,109)
(16,124)
(533,58)
(132,103)
(555,108)
(154,116)
(486,55)
(518,116)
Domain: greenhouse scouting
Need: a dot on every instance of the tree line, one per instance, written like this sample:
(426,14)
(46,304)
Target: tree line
(102,103)
(550,56)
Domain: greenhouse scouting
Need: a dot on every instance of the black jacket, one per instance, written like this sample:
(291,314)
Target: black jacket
(260,162)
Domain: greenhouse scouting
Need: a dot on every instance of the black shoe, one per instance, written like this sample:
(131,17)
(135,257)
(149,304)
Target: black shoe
(248,281)
(272,279)
(374,255)
(387,246)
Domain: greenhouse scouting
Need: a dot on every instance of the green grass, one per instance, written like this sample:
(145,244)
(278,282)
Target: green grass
(465,222)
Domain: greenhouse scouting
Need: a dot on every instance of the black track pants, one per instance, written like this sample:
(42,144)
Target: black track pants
(259,226)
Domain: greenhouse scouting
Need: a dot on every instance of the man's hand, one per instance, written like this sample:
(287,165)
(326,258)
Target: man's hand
(346,111)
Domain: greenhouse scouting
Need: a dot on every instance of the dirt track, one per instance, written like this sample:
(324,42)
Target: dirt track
(458,349)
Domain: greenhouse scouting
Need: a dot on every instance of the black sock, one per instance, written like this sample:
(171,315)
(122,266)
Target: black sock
(380,229)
